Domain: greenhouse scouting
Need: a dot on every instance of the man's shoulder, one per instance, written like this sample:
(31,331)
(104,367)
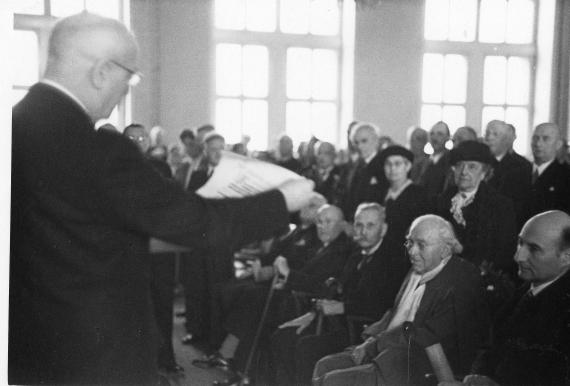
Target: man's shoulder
(459,272)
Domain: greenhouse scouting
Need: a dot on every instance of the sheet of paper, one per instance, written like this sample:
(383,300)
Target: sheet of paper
(238,176)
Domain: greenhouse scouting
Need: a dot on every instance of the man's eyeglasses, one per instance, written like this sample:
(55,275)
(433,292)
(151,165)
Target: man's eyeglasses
(136,76)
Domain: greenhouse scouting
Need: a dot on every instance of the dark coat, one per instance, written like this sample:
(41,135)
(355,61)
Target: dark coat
(551,190)
(532,339)
(367,184)
(490,233)
(434,176)
(330,187)
(298,246)
(452,312)
(369,288)
(84,203)
(410,204)
(512,177)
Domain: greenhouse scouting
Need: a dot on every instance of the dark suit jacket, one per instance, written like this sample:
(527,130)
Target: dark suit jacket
(84,203)
(329,188)
(298,247)
(452,312)
(434,176)
(367,185)
(490,233)
(369,289)
(512,178)
(551,190)
(410,204)
(532,339)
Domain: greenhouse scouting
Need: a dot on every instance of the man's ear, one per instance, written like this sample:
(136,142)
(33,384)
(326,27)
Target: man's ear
(384,229)
(99,73)
(565,257)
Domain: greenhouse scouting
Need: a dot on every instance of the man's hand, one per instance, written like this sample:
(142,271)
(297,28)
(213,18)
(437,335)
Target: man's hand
(330,307)
(281,266)
(362,352)
(301,322)
(298,193)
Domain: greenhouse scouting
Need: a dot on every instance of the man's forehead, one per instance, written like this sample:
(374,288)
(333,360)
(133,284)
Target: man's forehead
(546,131)
(367,216)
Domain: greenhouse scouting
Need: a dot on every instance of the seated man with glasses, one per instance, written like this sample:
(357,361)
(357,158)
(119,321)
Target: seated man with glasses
(439,308)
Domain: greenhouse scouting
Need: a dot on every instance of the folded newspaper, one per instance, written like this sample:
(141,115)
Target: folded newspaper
(236,176)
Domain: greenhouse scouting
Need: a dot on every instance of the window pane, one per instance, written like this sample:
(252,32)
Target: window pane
(25,70)
(61,8)
(255,71)
(260,15)
(255,123)
(518,117)
(490,113)
(299,66)
(324,17)
(455,79)
(430,115)
(294,16)
(520,21)
(29,7)
(228,119)
(492,21)
(228,69)
(323,121)
(230,14)
(436,17)
(298,121)
(17,95)
(454,116)
(518,81)
(494,80)
(324,74)
(462,20)
(432,78)
(109,8)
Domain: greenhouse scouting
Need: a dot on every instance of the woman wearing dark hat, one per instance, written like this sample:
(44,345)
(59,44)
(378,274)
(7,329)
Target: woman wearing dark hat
(483,219)
(404,200)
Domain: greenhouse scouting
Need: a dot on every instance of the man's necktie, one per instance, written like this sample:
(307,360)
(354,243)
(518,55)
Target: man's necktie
(534,175)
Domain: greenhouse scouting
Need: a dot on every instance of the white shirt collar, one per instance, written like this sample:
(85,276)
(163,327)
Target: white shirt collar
(372,250)
(536,289)
(435,157)
(369,158)
(500,157)
(64,90)
(541,168)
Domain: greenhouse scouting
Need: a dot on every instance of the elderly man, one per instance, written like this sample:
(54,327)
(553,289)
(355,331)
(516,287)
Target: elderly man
(325,173)
(368,180)
(84,205)
(550,179)
(439,305)
(484,220)
(366,288)
(328,261)
(532,334)
(511,172)
(433,177)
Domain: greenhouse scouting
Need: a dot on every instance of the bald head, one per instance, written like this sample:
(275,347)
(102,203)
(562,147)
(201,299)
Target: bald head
(543,251)
(94,57)
(499,136)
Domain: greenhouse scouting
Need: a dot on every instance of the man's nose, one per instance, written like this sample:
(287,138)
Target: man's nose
(521,254)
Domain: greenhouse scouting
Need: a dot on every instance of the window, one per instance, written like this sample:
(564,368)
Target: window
(478,64)
(33,20)
(278,67)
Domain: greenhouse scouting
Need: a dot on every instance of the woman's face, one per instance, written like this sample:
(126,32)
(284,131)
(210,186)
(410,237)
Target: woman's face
(396,168)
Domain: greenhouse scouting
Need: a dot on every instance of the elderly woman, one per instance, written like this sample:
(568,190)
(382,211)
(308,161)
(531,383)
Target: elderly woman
(404,200)
(483,219)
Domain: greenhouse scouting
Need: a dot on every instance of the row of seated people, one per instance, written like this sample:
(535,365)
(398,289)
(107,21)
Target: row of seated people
(439,307)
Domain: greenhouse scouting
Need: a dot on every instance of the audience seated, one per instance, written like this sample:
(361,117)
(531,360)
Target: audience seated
(433,177)
(551,179)
(368,179)
(325,173)
(366,288)
(417,140)
(531,343)
(241,320)
(512,173)
(439,305)
(404,200)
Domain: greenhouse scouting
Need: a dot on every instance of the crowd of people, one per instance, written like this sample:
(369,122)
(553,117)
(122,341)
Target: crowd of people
(352,256)
(405,268)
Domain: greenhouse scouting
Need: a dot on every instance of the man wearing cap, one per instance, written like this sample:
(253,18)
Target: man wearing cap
(404,200)
(483,219)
